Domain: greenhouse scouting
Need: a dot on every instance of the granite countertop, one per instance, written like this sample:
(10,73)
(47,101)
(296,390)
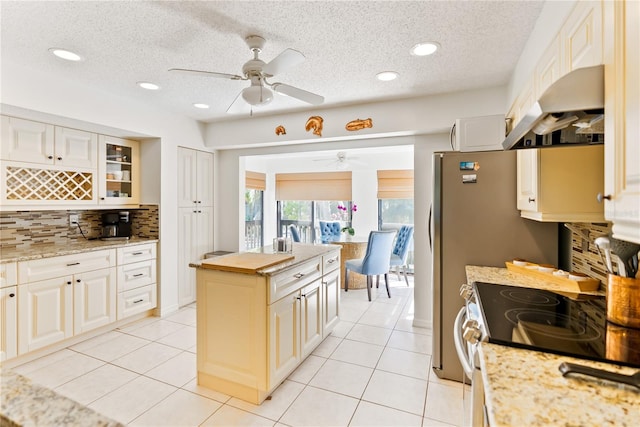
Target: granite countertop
(301,252)
(525,387)
(22,405)
(72,247)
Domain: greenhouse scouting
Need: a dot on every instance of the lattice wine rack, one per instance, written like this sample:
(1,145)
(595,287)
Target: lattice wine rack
(41,184)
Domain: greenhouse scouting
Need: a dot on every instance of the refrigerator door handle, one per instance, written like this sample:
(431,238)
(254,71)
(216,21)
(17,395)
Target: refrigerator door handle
(430,225)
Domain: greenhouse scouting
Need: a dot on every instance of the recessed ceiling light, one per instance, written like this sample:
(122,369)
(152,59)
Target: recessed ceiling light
(149,86)
(65,54)
(424,49)
(203,106)
(387,76)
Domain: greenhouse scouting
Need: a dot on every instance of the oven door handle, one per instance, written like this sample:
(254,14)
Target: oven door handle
(460,342)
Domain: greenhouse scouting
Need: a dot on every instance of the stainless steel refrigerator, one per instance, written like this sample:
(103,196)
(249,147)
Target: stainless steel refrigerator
(475,222)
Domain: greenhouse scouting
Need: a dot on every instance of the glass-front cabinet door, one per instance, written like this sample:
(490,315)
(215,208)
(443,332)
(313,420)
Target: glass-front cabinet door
(119,171)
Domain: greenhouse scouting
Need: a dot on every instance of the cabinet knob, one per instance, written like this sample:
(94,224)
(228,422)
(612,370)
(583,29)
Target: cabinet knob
(195,201)
(78,280)
(531,200)
(68,282)
(49,157)
(101,198)
(59,158)
(600,197)
(11,295)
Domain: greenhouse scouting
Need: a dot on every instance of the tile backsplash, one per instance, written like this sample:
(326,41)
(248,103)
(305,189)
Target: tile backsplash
(24,228)
(584,256)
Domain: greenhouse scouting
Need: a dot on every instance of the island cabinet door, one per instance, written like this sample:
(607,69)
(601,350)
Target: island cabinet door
(284,333)
(310,317)
(331,298)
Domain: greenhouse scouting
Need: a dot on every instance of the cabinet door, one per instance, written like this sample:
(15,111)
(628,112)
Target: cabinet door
(118,171)
(94,299)
(284,333)
(622,121)
(45,313)
(187,177)
(310,317)
(204,180)
(76,148)
(204,227)
(549,67)
(582,36)
(27,141)
(331,298)
(187,235)
(8,323)
(527,180)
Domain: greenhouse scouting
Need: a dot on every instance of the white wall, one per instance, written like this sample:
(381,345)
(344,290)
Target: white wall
(36,95)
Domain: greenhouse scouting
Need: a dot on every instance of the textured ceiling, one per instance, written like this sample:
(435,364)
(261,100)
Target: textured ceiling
(345,43)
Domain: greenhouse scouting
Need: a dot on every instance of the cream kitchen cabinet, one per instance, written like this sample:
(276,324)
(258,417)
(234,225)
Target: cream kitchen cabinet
(330,292)
(137,290)
(560,184)
(62,296)
(622,120)
(35,142)
(195,216)
(255,329)
(581,36)
(8,311)
(195,239)
(118,171)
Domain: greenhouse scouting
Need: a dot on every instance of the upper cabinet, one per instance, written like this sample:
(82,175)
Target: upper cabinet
(119,171)
(35,142)
(561,184)
(622,121)
(578,44)
(195,178)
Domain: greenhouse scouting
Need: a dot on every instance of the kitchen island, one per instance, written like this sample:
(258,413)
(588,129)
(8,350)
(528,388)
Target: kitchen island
(524,387)
(256,324)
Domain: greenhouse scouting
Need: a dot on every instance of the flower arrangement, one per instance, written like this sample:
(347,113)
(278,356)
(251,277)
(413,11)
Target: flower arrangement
(354,208)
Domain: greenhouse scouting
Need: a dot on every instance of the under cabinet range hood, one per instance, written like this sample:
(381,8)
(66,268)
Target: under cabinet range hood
(576,99)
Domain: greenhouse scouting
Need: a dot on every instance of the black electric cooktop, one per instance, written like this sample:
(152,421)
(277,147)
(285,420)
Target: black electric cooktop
(568,324)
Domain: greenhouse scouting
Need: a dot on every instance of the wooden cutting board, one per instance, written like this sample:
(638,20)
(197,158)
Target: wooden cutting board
(245,262)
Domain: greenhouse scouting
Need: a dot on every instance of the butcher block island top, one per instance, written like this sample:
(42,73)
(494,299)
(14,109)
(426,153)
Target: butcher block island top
(264,261)
(260,314)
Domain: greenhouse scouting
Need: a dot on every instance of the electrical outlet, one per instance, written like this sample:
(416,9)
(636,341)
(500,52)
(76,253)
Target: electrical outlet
(73,219)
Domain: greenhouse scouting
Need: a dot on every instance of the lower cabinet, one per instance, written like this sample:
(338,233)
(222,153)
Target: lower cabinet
(59,297)
(8,323)
(254,330)
(45,313)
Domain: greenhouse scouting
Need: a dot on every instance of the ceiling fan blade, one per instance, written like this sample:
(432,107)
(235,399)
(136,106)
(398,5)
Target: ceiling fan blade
(288,58)
(298,93)
(208,73)
(238,106)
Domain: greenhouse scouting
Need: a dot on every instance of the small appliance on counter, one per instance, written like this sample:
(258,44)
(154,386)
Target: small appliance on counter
(116,226)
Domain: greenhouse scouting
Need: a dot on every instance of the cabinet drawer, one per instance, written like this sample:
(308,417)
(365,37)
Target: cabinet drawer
(136,301)
(330,262)
(8,274)
(132,276)
(294,278)
(135,253)
(49,268)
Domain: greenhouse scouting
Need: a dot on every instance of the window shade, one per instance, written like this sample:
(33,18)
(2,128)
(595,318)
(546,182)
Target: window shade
(313,186)
(255,181)
(395,184)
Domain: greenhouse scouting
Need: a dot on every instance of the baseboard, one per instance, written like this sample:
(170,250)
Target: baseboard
(426,324)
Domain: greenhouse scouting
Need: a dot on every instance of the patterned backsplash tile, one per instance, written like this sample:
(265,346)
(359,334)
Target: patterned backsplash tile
(23,228)
(585,257)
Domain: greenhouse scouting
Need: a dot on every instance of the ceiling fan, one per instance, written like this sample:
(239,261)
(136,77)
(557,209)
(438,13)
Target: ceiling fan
(260,92)
(340,161)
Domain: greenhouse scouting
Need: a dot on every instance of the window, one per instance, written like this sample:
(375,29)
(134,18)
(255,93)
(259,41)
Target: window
(253,206)
(298,213)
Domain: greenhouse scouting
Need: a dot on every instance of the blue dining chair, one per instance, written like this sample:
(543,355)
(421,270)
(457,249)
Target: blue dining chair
(401,250)
(329,231)
(295,236)
(376,260)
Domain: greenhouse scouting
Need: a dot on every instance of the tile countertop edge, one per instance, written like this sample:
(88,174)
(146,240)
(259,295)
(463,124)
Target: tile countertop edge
(53,250)
(301,251)
(525,387)
(22,404)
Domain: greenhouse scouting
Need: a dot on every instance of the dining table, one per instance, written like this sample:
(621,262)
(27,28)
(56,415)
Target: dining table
(353,247)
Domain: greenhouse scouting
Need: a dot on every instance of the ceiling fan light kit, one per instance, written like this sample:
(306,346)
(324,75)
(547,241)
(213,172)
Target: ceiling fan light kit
(257,71)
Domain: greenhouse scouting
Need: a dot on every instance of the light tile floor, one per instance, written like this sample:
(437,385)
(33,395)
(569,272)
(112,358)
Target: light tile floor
(374,370)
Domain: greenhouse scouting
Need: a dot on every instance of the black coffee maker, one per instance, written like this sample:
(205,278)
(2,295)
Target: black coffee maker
(116,225)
